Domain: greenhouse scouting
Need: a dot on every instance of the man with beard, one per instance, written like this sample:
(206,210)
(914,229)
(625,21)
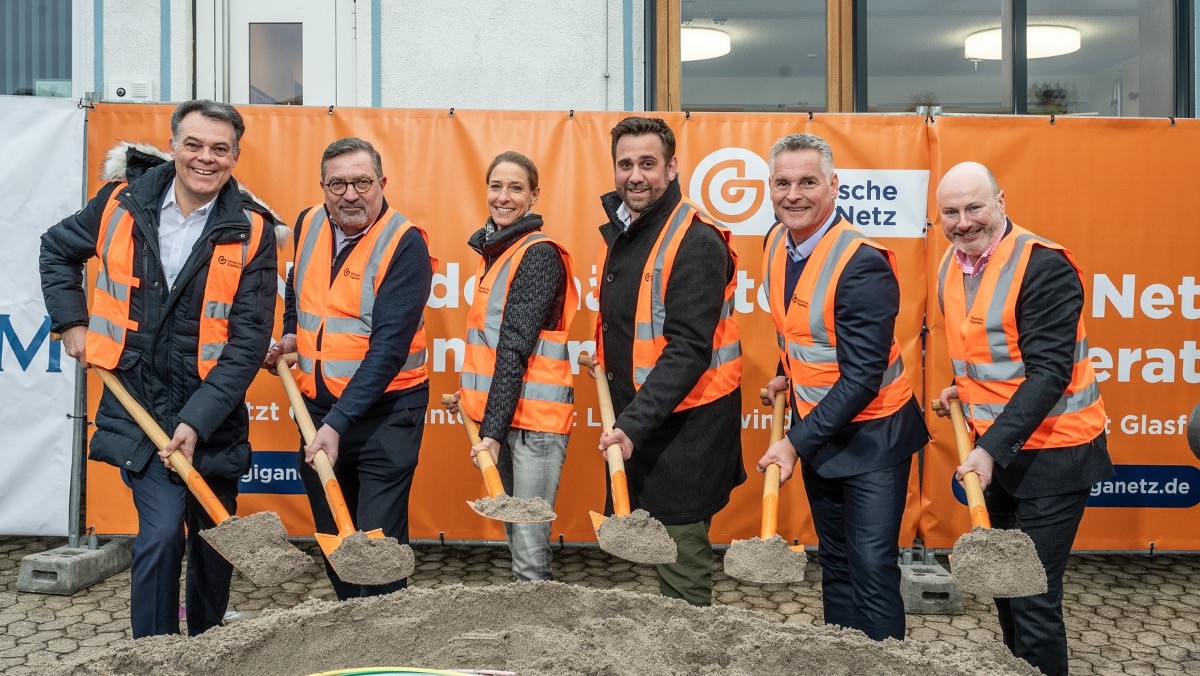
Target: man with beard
(673,356)
(354,304)
(1013,303)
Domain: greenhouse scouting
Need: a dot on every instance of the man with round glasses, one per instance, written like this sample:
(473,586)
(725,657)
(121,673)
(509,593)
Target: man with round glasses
(354,303)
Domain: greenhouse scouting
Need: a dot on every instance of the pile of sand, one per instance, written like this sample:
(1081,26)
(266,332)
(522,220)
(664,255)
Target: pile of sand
(258,546)
(997,562)
(765,561)
(365,560)
(638,537)
(505,507)
(542,628)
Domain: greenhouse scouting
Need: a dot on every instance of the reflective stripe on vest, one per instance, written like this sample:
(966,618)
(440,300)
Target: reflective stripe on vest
(547,393)
(724,372)
(224,275)
(337,316)
(985,352)
(803,323)
(110,322)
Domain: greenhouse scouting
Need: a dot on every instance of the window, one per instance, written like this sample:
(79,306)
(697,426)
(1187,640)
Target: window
(1062,57)
(753,55)
(35,47)
(1121,64)
(932,72)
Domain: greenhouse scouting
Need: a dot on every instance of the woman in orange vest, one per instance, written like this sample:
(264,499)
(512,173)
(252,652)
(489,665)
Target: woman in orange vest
(516,377)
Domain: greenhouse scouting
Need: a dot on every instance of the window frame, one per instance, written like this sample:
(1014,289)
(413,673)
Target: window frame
(846,47)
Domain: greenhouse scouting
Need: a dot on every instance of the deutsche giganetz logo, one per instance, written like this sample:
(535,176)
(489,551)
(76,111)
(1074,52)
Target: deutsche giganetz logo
(731,185)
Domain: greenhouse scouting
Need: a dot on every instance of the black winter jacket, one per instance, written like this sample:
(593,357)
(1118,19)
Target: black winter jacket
(159,365)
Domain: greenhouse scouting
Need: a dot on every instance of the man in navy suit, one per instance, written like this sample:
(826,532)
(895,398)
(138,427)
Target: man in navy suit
(834,298)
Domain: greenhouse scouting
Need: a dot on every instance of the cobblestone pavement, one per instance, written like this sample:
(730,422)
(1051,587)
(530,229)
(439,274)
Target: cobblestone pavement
(1125,614)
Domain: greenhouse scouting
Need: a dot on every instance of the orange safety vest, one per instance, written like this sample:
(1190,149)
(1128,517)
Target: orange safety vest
(110,320)
(985,354)
(547,402)
(808,340)
(724,372)
(333,319)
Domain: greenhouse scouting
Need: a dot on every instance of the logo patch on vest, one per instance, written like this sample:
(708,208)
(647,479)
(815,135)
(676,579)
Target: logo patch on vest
(222,260)
(347,272)
(975,321)
(797,300)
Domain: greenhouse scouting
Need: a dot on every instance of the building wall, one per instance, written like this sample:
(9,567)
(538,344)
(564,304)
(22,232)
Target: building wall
(141,41)
(536,54)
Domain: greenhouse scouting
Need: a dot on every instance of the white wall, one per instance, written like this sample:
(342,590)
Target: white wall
(132,45)
(532,55)
(536,54)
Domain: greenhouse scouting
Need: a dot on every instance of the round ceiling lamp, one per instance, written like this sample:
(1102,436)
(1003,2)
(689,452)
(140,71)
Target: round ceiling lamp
(1040,42)
(697,44)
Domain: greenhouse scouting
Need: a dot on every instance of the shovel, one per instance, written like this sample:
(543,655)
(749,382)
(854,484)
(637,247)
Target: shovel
(767,558)
(499,505)
(257,545)
(633,536)
(990,561)
(371,558)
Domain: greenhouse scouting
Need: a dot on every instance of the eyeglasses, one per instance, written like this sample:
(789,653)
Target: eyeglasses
(361,185)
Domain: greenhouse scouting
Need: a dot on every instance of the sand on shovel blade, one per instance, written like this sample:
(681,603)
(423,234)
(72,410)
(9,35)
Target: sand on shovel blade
(505,507)
(366,560)
(638,537)
(997,562)
(764,561)
(257,546)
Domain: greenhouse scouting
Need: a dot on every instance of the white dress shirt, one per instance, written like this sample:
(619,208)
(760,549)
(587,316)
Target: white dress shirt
(177,235)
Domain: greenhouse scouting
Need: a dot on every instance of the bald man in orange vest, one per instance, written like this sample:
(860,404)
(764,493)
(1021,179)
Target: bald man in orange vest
(1013,303)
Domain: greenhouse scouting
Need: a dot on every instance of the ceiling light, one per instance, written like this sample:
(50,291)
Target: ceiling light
(1040,42)
(696,44)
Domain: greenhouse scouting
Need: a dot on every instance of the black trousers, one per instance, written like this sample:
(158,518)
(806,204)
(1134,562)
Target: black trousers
(857,519)
(163,508)
(376,461)
(1033,625)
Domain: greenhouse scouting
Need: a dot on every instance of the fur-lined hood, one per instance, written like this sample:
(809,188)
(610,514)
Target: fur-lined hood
(128,161)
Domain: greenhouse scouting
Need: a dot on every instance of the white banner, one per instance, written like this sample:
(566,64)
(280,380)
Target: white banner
(41,182)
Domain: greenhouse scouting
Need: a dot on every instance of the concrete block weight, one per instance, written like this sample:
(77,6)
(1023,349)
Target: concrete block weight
(929,589)
(66,570)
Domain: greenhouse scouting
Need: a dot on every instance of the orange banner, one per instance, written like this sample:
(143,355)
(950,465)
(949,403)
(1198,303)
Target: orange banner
(1115,192)
(1056,180)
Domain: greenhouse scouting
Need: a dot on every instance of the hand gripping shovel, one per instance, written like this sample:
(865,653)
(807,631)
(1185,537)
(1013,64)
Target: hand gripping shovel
(257,545)
(768,558)
(635,536)
(990,561)
(499,505)
(369,558)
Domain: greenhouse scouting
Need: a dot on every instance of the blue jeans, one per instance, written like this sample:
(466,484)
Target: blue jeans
(530,464)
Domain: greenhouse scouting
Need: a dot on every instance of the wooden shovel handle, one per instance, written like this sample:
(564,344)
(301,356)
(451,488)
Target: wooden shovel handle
(979,515)
(770,499)
(612,454)
(333,489)
(487,464)
(195,483)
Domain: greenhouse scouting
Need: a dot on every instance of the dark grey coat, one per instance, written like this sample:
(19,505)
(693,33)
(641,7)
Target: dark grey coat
(159,365)
(684,464)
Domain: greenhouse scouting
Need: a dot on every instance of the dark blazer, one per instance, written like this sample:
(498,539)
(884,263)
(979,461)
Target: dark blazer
(1048,309)
(866,302)
(684,464)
